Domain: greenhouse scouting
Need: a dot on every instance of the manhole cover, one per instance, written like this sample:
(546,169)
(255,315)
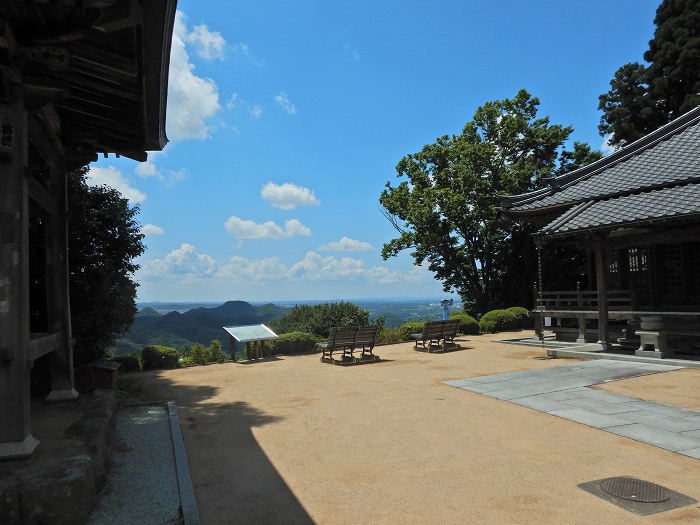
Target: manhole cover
(635,490)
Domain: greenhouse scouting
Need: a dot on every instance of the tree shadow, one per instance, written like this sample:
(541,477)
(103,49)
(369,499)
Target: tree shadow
(233,478)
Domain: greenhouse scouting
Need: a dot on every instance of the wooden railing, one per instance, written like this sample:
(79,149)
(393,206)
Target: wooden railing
(583,300)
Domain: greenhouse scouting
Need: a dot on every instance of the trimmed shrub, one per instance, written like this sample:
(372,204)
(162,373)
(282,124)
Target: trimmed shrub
(129,363)
(524,321)
(292,343)
(199,354)
(389,336)
(156,357)
(467,324)
(410,327)
(498,321)
(185,361)
(216,352)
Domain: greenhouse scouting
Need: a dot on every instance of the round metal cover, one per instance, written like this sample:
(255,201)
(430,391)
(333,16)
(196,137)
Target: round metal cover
(635,490)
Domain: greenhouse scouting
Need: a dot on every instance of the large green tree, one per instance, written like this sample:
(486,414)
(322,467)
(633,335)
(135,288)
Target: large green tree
(446,208)
(644,97)
(319,318)
(104,240)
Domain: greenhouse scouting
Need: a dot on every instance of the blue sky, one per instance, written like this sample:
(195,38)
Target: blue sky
(286,120)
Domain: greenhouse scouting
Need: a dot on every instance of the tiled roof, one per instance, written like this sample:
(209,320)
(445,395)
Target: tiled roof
(667,157)
(677,203)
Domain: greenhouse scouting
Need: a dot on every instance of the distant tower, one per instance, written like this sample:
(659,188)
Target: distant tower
(446,303)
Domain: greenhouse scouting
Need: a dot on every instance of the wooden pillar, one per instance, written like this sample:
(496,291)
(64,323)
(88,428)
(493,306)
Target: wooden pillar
(62,379)
(16,440)
(601,268)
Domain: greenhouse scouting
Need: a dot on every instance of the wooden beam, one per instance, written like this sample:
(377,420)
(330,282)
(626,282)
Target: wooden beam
(15,436)
(42,197)
(648,238)
(57,288)
(46,142)
(601,269)
(43,344)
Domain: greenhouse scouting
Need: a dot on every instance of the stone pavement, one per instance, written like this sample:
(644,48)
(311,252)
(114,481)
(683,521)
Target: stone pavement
(564,391)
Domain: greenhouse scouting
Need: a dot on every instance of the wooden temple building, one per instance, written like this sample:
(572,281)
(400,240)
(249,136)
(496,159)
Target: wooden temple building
(78,78)
(636,213)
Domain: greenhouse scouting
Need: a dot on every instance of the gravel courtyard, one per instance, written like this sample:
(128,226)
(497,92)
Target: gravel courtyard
(292,440)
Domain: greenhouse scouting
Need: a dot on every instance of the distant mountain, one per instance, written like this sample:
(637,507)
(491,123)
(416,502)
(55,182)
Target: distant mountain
(199,325)
(148,312)
(183,324)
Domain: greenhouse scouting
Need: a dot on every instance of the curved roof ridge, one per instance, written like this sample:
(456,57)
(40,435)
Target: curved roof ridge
(662,134)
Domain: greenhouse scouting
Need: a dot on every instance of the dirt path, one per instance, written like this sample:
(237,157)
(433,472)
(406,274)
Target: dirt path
(293,440)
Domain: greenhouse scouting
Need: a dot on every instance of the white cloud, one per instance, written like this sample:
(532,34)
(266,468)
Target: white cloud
(181,262)
(345,244)
(381,275)
(152,229)
(606,147)
(316,268)
(148,169)
(187,273)
(209,44)
(192,100)
(151,170)
(283,102)
(112,177)
(178,175)
(246,229)
(288,196)
(233,101)
(255,111)
(241,270)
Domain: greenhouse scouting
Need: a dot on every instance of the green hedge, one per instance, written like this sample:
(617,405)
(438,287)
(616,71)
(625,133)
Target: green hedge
(156,357)
(389,336)
(467,324)
(292,343)
(129,363)
(498,321)
(410,327)
(524,321)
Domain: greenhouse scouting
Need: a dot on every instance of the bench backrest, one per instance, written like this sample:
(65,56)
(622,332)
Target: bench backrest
(367,336)
(450,328)
(342,336)
(433,330)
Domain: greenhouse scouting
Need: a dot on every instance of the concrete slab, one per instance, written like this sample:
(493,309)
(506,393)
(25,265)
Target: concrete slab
(564,391)
(588,417)
(654,419)
(655,436)
(602,407)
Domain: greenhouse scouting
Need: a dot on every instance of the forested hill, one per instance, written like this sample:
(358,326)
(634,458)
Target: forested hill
(200,325)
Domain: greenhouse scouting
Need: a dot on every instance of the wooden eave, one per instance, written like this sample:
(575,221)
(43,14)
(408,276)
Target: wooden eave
(109,73)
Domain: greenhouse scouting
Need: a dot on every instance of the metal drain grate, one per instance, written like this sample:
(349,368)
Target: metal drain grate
(635,490)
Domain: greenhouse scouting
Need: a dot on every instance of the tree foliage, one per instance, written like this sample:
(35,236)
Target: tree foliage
(446,207)
(318,319)
(104,240)
(643,98)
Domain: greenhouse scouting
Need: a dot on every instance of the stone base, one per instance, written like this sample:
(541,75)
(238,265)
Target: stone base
(652,344)
(649,353)
(62,395)
(18,449)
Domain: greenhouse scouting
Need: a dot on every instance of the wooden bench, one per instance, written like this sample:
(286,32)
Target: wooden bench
(436,335)
(345,340)
(366,339)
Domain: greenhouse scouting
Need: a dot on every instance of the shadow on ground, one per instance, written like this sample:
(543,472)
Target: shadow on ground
(242,477)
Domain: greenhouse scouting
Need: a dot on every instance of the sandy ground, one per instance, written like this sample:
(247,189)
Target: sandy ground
(292,440)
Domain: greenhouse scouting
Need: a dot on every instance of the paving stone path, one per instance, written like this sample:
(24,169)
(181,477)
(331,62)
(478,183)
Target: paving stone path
(563,391)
